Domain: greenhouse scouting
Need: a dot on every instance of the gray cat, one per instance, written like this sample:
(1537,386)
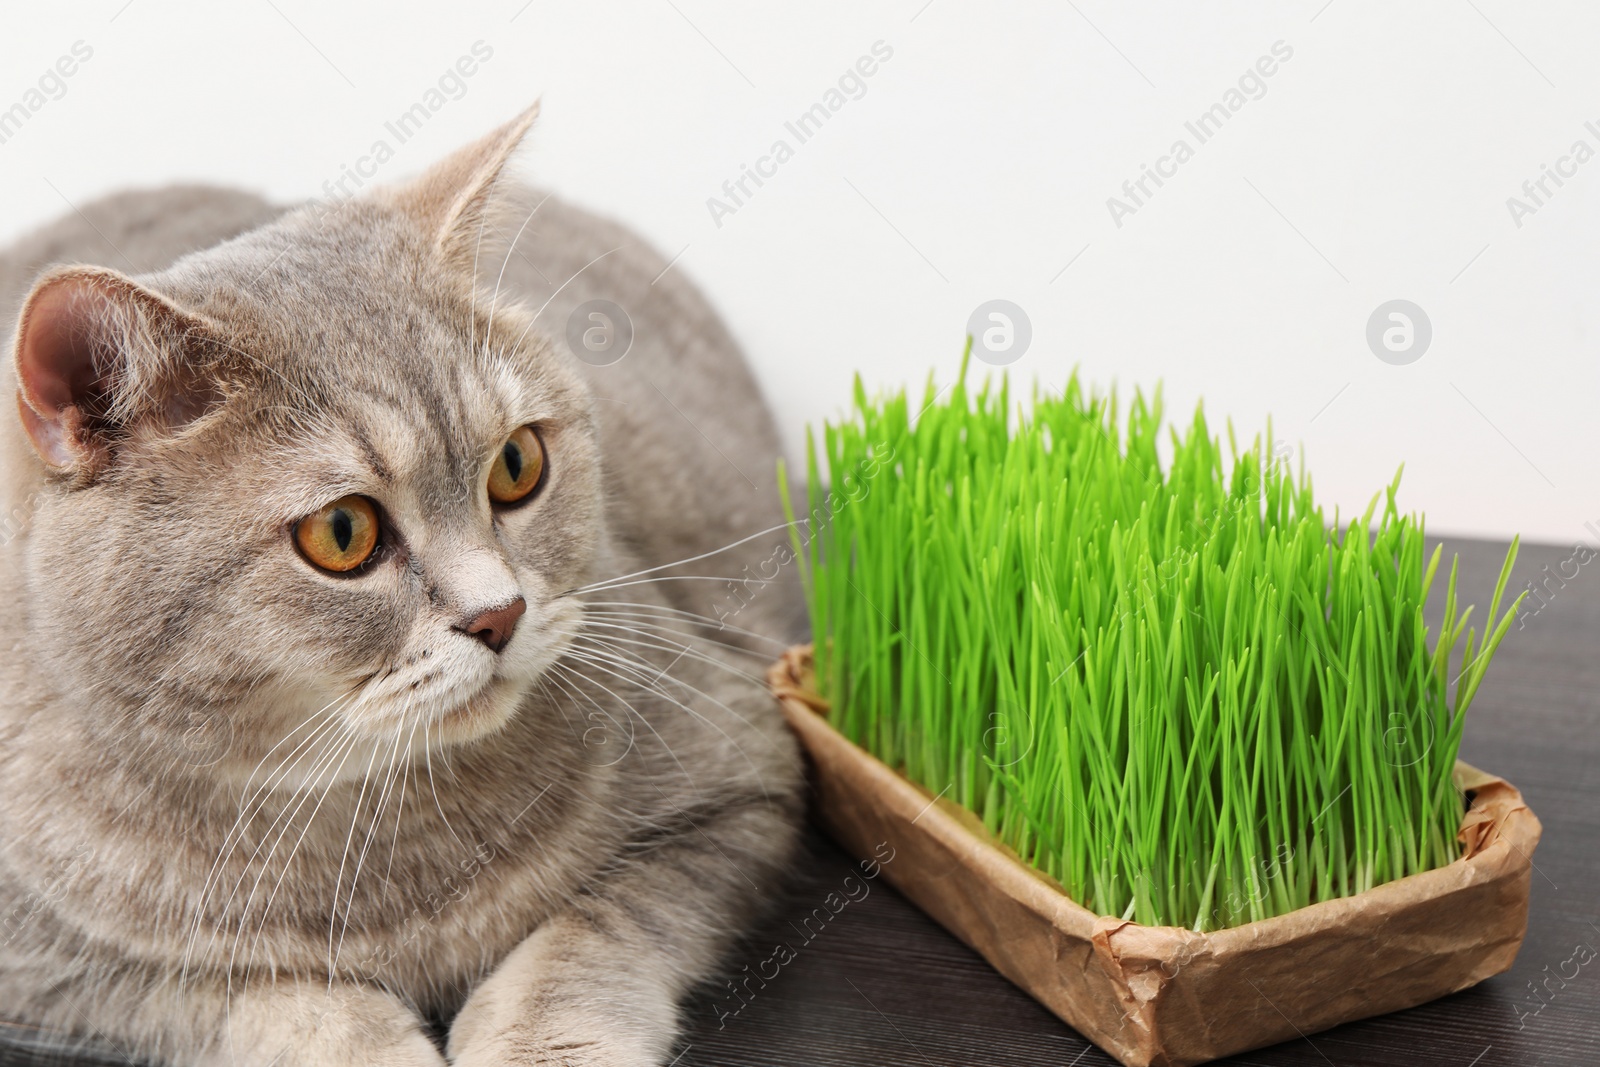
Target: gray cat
(352,685)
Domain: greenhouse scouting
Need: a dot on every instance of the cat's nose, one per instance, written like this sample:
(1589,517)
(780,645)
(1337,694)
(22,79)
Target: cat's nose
(494,626)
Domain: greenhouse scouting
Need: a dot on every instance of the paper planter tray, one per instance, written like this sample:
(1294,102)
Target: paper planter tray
(1162,996)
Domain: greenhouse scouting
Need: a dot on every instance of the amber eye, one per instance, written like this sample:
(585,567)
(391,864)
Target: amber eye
(518,467)
(341,536)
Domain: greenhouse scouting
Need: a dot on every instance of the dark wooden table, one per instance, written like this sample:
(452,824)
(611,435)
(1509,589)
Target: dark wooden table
(882,984)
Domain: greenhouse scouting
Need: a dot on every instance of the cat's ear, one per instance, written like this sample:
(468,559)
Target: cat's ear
(449,202)
(98,358)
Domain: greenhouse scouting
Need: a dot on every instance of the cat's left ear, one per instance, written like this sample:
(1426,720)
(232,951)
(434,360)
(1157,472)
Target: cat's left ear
(451,199)
(100,359)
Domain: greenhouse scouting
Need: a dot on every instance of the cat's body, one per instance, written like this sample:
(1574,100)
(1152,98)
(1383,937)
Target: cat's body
(555,834)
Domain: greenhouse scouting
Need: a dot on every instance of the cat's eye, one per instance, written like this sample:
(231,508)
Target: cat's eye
(340,537)
(519,467)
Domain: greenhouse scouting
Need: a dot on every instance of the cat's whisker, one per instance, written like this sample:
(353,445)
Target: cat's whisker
(604,661)
(594,586)
(344,856)
(655,628)
(637,676)
(693,618)
(286,817)
(400,809)
(557,293)
(573,687)
(336,736)
(250,803)
(394,768)
(427,758)
(644,677)
(589,643)
(644,639)
(488,333)
(255,790)
(606,647)
(333,780)
(607,587)
(548,680)
(348,742)
(343,700)
(673,629)
(621,645)
(380,808)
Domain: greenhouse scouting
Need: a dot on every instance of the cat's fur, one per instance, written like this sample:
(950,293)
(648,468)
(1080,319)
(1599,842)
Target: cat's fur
(544,847)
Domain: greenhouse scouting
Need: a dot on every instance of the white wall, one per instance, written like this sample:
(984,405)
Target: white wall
(1376,165)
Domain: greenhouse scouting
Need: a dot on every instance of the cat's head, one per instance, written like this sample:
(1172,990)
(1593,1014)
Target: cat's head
(315,478)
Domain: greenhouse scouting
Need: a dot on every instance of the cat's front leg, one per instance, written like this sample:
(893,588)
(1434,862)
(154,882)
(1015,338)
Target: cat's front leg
(294,1023)
(599,984)
(568,996)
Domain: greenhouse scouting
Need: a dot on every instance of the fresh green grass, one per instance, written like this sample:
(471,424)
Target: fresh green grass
(1178,688)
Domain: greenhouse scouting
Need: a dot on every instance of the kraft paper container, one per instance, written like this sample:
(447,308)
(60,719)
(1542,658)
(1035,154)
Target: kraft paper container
(1161,996)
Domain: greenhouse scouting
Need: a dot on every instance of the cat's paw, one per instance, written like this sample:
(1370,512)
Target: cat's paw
(407,1047)
(508,1023)
(565,997)
(297,1026)
(540,1048)
(504,1026)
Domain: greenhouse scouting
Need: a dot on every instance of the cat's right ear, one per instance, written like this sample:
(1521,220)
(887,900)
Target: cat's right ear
(451,201)
(99,358)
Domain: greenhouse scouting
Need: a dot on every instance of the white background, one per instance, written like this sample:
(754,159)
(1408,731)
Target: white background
(977,165)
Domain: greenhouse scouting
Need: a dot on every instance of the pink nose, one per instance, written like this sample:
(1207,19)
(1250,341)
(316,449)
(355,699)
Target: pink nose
(494,627)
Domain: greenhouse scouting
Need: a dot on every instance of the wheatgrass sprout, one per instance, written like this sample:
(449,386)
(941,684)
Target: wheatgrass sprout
(1177,688)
